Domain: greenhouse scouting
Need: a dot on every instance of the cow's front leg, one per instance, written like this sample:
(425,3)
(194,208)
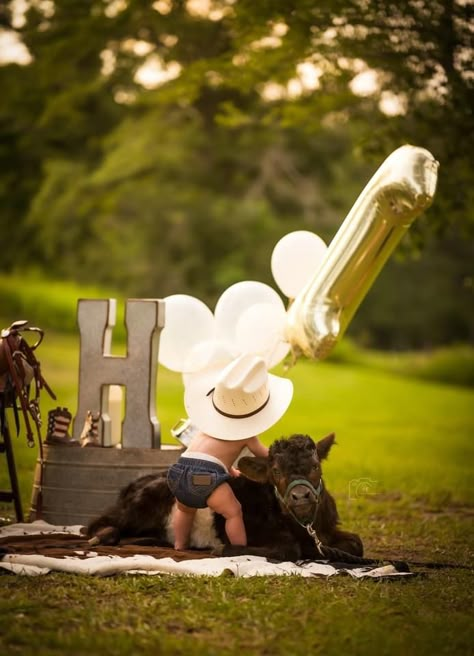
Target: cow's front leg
(345,541)
(283,551)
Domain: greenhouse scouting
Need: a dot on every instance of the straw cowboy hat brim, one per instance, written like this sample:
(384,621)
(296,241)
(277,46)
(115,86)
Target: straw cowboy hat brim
(198,400)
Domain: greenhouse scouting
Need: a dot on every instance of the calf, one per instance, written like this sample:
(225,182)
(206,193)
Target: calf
(286,507)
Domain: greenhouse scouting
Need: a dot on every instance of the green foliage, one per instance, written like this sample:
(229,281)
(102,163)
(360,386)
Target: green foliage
(346,352)
(185,188)
(453,365)
(421,302)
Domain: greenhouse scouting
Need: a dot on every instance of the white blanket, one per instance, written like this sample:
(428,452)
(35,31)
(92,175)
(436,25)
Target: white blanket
(91,563)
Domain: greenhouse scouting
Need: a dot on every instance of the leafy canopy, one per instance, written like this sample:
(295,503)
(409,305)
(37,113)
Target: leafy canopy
(263,117)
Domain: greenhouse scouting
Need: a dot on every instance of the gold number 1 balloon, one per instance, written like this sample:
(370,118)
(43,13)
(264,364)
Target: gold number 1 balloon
(401,189)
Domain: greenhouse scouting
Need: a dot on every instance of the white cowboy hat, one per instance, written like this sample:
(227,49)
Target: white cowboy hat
(239,401)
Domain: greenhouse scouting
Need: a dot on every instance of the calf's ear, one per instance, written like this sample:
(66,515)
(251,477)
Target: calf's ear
(254,468)
(324,446)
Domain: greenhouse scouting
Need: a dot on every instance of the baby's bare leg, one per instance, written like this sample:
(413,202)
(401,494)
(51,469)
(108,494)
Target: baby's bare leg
(182,525)
(223,501)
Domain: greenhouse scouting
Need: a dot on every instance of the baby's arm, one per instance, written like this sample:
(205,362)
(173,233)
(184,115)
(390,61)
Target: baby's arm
(256,447)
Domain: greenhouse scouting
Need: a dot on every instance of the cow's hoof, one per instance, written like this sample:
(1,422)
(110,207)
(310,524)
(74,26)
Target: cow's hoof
(107,536)
(218,551)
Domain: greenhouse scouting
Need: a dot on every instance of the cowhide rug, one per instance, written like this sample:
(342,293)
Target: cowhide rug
(39,548)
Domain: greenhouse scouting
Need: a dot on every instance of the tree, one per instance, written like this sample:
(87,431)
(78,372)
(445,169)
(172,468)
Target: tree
(259,126)
(420,52)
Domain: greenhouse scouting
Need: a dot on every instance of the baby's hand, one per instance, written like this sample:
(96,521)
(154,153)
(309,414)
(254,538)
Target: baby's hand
(234,472)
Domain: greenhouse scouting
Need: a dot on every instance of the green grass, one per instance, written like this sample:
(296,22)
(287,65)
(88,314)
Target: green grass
(401,474)
(49,304)
(223,616)
(52,305)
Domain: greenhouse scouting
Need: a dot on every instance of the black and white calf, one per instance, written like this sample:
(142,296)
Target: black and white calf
(284,502)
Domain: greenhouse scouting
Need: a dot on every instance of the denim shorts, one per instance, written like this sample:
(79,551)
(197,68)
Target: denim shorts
(193,480)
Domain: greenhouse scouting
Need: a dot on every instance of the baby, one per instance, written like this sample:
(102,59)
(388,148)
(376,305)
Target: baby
(199,479)
(230,408)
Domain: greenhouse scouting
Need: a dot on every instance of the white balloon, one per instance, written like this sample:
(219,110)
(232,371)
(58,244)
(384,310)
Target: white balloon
(295,260)
(210,353)
(260,330)
(235,300)
(188,321)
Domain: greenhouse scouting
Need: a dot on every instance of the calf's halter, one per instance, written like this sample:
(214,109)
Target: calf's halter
(317,495)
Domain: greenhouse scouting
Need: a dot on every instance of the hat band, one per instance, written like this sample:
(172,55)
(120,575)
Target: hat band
(232,416)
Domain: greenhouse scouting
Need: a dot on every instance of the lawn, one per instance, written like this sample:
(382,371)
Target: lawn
(401,474)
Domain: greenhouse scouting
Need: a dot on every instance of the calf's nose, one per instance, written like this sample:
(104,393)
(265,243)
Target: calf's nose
(300,493)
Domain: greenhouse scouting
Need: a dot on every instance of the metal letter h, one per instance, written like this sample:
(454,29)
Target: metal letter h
(137,371)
